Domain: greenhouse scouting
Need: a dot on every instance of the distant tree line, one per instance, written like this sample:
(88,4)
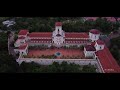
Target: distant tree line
(70,24)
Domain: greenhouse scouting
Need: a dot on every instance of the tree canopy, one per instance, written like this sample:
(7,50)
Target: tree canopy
(7,62)
(115,48)
(70,24)
(57,68)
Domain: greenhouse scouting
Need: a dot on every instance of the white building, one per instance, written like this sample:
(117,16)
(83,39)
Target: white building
(94,35)
(93,46)
(23,49)
(99,45)
(22,38)
(57,38)
(89,51)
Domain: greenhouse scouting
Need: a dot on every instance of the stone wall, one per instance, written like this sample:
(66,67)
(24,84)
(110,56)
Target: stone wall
(50,61)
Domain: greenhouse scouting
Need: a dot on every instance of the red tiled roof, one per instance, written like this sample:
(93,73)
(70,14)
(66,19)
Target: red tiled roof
(107,61)
(90,48)
(100,42)
(39,40)
(23,32)
(58,24)
(21,37)
(76,35)
(75,41)
(94,31)
(23,46)
(40,34)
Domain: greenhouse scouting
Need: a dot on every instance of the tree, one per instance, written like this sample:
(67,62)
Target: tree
(115,48)
(8,63)
(55,68)
(89,69)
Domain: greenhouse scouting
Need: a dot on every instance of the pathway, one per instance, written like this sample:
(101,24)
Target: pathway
(10,41)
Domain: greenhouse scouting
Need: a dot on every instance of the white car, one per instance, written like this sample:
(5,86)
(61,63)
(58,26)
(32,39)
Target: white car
(8,23)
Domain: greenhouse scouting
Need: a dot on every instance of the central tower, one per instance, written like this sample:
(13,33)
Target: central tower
(58,35)
(58,28)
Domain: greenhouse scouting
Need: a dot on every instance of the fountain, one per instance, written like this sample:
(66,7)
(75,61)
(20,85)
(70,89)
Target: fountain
(57,54)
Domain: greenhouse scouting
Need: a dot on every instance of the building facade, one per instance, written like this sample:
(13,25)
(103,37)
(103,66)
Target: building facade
(93,47)
(57,38)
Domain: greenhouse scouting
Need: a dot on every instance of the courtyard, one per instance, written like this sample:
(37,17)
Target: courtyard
(64,53)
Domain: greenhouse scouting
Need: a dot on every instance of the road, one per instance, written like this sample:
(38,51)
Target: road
(10,41)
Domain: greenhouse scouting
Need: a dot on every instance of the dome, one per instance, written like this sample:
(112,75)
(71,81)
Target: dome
(94,31)
(58,24)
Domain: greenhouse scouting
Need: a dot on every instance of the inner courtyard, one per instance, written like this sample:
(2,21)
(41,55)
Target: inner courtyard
(65,53)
